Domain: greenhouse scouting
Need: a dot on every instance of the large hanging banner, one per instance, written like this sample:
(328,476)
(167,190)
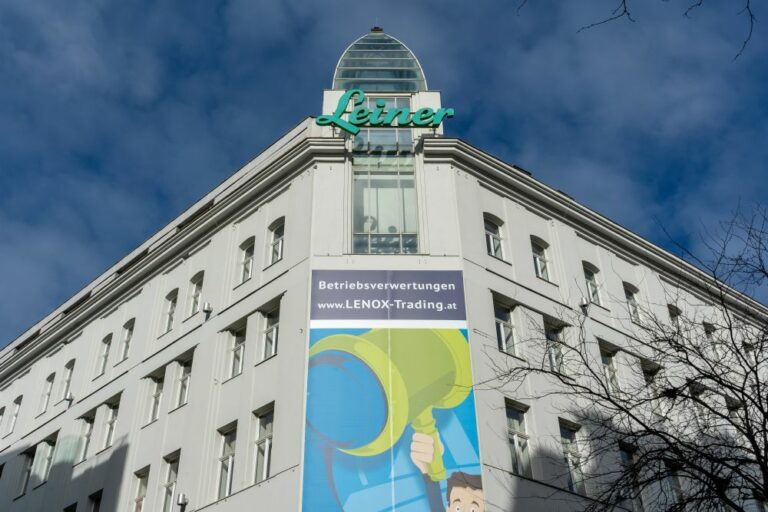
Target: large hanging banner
(390,421)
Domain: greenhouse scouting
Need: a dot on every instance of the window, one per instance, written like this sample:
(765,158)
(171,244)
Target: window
(94,501)
(15,413)
(86,433)
(651,375)
(169,486)
(277,232)
(142,478)
(195,292)
(384,216)
(571,458)
(540,261)
(630,294)
(101,365)
(493,236)
(554,347)
(590,276)
(518,440)
(671,488)
(28,458)
(246,259)
(109,425)
(170,309)
(125,345)
(156,394)
(608,360)
(71,508)
(45,451)
(634,499)
(185,374)
(66,382)
(45,398)
(2,414)
(674,316)
(505,328)
(236,353)
(264,444)
(226,461)
(271,322)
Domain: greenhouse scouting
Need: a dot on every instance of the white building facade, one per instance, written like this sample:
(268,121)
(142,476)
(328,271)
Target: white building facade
(178,379)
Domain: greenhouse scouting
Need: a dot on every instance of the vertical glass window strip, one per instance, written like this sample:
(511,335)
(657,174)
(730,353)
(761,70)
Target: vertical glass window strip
(634,501)
(518,441)
(674,316)
(608,360)
(169,486)
(671,487)
(142,479)
(276,246)
(109,425)
(493,239)
(170,309)
(2,414)
(226,462)
(554,349)
(127,337)
(185,375)
(238,349)
(66,383)
(540,263)
(86,432)
(632,306)
(264,445)
(593,290)
(106,343)
(195,293)
(246,263)
(505,329)
(572,459)
(46,449)
(271,324)
(651,376)
(94,500)
(15,413)
(26,471)
(45,398)
(155,398)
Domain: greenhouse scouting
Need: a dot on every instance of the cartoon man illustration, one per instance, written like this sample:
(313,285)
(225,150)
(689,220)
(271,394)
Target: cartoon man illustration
(465,491)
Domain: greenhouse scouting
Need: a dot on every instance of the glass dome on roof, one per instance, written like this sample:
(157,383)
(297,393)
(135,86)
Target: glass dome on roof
(379,62)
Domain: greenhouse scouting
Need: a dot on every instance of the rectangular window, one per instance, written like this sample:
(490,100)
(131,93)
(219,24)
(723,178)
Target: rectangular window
(101,365)
(45,398)
(608,360)
(572,458)
(70,508)
(540,262)
(169,486)
(125,345)
(66,383)
(45,451)
(185,375)
(195,293)
(674,316)
(634,499)
(246,260)
(2,415)
(26,471)
(554,348)
(264,445)
(109,425)
(276,244)
(142,479)
(384,218)
(226,461)
(518,440)
(86,433)
(155,397)
(493,243)
(94,501)
(651,375)
(271,323)
(630,294)
(505,328)
(170,309)
(15,413)
(237,352)
(593,290)
(671,487)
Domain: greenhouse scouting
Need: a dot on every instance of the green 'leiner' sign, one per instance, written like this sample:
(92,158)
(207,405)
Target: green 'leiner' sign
(379,116)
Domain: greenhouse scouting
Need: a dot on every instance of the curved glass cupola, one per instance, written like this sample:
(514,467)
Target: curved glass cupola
(379,62)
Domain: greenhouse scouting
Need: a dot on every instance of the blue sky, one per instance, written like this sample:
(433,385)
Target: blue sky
(116,116)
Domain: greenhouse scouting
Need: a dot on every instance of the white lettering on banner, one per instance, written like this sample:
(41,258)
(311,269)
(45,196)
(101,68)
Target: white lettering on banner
(358,285)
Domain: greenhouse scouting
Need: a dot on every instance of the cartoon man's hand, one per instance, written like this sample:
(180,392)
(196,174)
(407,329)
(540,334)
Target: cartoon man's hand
(423,450)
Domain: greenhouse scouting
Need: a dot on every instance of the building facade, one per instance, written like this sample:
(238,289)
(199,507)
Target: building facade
(182,378)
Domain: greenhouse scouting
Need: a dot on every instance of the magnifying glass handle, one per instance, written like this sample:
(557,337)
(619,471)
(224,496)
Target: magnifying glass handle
(424,423)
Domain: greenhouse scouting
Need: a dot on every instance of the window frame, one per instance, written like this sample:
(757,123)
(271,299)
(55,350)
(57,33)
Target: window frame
(593,286)
(103,360)
(171,303)
(572,458)
(157,383)
(66,383)
(494,239)
(519,440)
(633,306)
(196,293)
(127,337)
(263,444)
(276,240)
(169,485)
(505,328)
(539,252)
(226,461)
(237,351)
(45,398)
(183,381)
(270,332)
(141,489)
(247,259)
